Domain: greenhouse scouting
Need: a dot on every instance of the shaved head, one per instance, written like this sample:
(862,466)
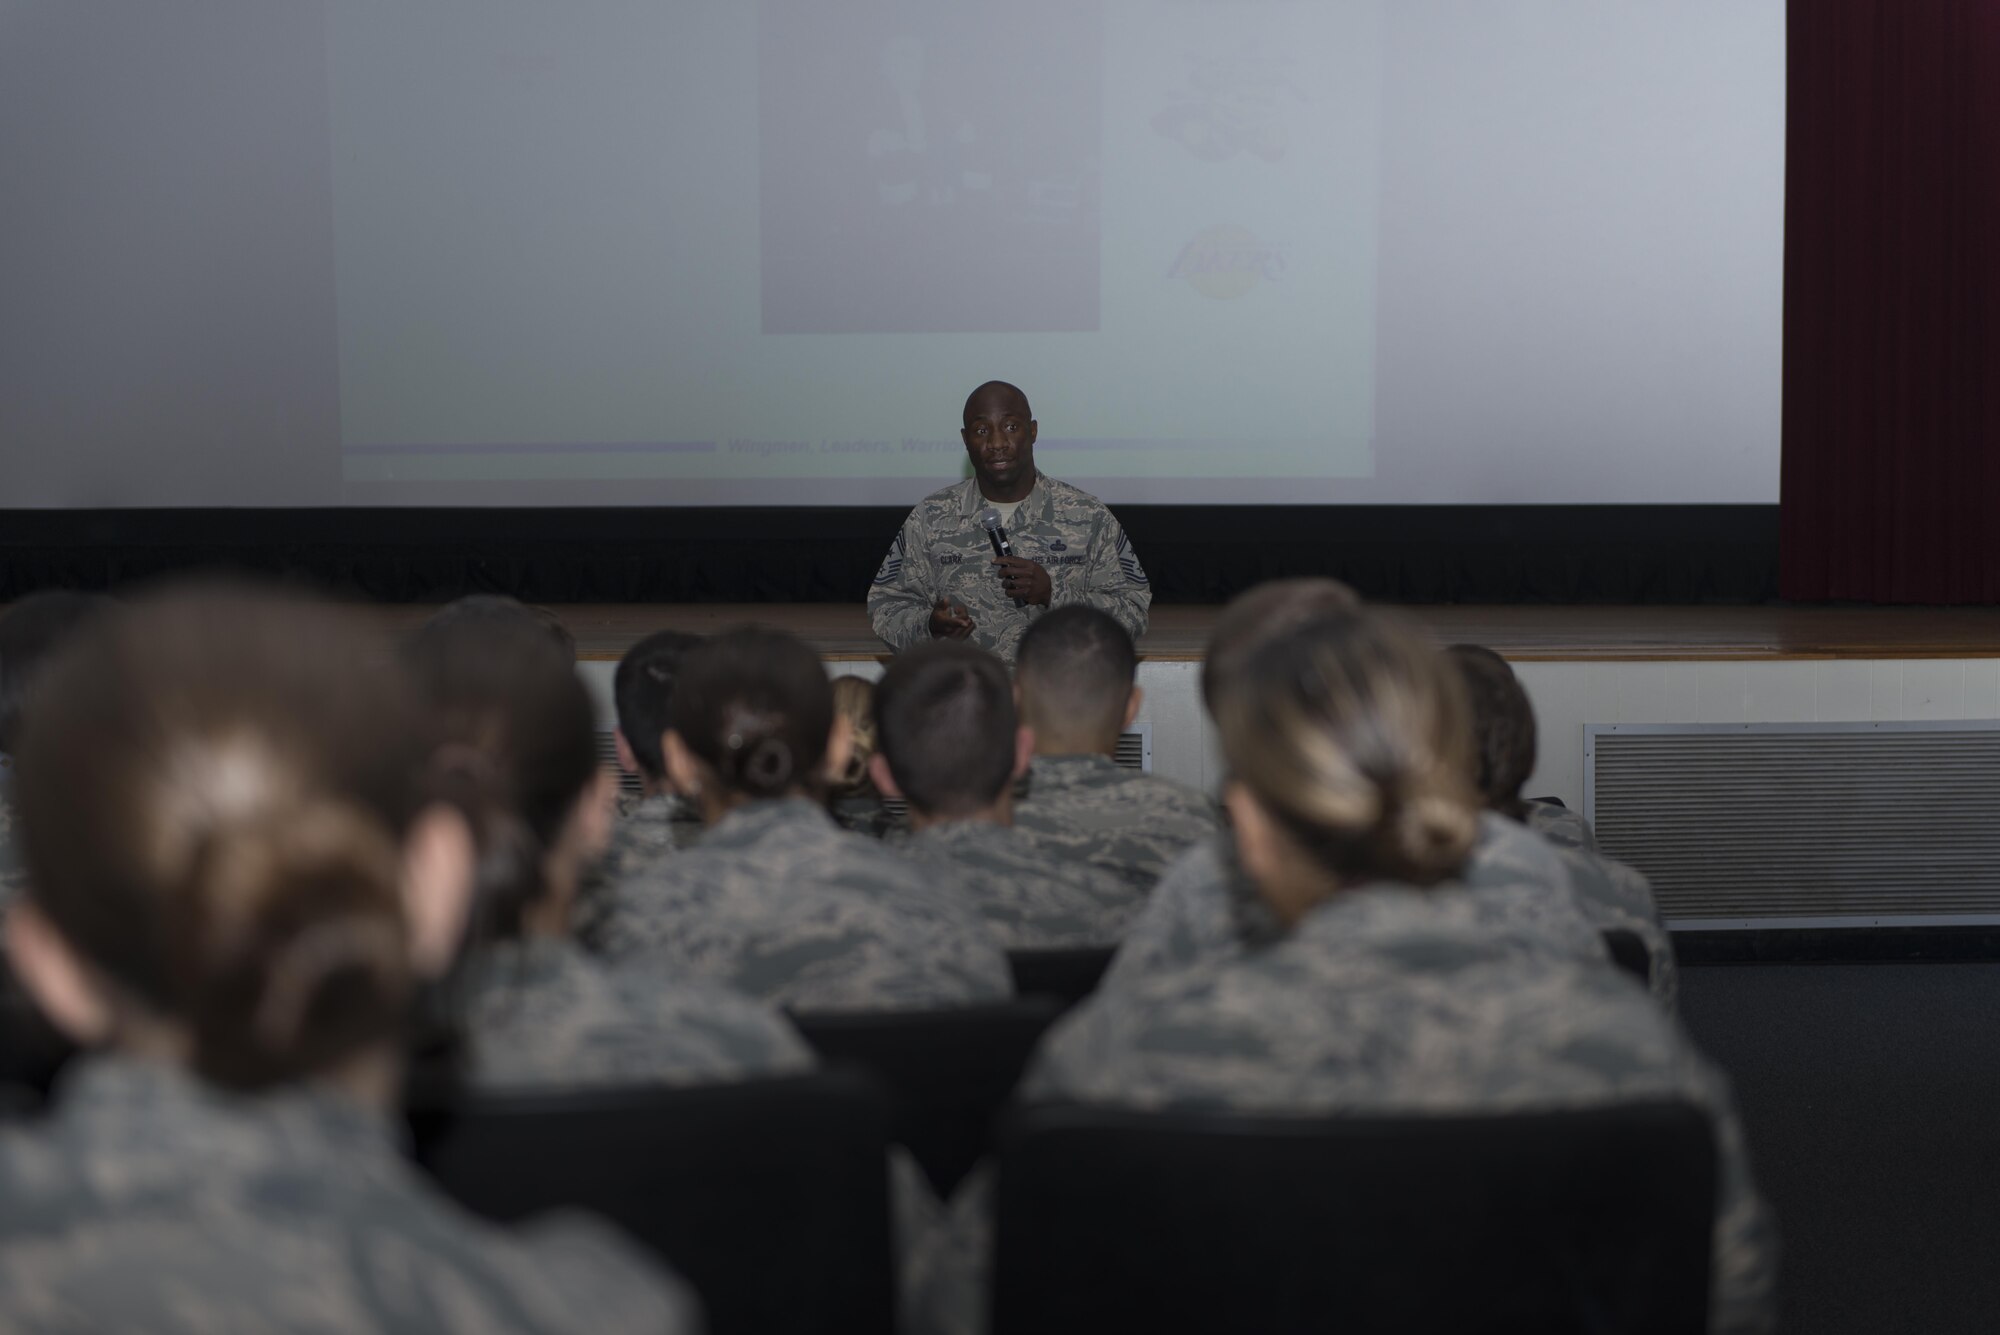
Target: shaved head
(1003,394)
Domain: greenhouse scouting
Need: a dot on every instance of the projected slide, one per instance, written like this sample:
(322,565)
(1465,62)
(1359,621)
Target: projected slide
(763,250)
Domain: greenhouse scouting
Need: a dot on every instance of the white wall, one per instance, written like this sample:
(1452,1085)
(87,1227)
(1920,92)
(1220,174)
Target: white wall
(1569,695)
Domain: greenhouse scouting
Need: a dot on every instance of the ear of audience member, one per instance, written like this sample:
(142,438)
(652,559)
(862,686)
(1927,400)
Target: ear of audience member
(495,610)
(950,742)
(239,881)
(1077,672)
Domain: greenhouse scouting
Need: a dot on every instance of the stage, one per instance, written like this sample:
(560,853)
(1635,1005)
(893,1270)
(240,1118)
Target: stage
(1531,634)
(1581,664)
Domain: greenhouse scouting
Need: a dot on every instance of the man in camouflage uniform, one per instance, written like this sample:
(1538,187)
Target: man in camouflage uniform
(150,1201)
(542,1013)
(941,579)
(949,743)
(781,904)
(1077,678)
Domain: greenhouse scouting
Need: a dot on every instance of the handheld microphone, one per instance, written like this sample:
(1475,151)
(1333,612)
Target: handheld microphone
(989,519)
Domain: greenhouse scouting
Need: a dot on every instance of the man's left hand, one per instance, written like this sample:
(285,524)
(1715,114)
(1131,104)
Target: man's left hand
(1024,580)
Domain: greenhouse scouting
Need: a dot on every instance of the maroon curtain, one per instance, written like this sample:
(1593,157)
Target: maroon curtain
(1891,487)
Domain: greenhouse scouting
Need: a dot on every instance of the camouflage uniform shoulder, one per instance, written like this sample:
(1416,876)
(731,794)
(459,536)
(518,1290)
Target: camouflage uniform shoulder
(780,903)
(1027,897)
(1091,809)
(307,1214)
(1559,825)
(542,1013)
(1203,909)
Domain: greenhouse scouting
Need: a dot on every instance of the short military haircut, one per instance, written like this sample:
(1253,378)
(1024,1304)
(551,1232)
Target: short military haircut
(29,634)
(945,722)
(496,609)
(1503,726)
(1254,619)
(994,387)
(643,690)
(1076,667)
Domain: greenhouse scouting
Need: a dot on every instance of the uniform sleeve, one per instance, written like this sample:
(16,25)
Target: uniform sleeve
(1743,1290)
(1114,582)
(900,600)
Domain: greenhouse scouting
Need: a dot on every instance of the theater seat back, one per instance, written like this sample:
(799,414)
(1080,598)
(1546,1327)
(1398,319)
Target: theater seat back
(948,1073)
(770,1197)
(1586,1221)
(1067,975)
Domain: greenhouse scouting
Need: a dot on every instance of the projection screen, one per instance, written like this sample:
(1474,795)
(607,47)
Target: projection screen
(268,253)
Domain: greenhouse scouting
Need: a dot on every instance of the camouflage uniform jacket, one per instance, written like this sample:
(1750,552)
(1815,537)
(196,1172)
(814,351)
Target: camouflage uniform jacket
(1205,907)
(544,1013)
(1390,999)
(1560,825)
(1614,895)
(1092,809)
(1029,899)
(11,876)
(647,829)
(942,552)
(149,1201)
(780,903)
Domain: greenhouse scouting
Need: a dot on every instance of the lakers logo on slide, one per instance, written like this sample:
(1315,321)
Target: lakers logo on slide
(1226,261)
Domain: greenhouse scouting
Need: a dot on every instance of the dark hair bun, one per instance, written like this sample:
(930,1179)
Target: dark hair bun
(289,951)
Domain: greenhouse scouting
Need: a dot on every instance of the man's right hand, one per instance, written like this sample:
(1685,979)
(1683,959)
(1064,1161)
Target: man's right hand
(949,621)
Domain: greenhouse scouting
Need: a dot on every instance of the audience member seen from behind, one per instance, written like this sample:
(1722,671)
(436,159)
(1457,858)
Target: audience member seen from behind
(658,823)
(777,900)
(497,609)
(952,748)
(1205,907)
(237,882)
(516,751)
(1389,990)
(1610,894)
(852,795)
(1077,672)
(30,632)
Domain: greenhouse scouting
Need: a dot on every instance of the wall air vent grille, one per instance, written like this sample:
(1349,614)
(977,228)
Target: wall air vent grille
(1745,826)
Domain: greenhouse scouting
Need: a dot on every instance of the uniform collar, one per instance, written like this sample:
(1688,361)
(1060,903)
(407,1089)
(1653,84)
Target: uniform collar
(750,823)
(1033,506)
(179,1128)
(962,834)
(1062,771)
